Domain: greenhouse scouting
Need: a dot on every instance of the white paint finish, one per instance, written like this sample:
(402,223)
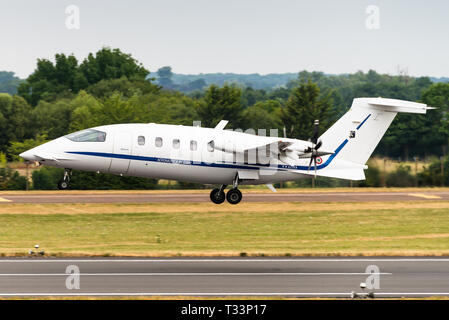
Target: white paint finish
(219,166)
(122,146)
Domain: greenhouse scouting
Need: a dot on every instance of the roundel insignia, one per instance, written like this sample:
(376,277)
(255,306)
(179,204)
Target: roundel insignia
(319,160)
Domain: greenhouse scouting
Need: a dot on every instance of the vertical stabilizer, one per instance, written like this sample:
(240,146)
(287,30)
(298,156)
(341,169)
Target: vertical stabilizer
(355,135)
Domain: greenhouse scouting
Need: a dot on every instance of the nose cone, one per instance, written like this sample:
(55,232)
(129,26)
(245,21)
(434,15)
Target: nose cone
(28,155)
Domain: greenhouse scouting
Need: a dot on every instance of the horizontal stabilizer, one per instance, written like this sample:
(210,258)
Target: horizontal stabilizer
(393,105)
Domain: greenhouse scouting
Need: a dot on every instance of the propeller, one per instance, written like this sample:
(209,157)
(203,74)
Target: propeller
(315,146)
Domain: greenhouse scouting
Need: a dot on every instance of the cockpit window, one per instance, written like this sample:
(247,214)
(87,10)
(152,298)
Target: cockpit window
(88,135)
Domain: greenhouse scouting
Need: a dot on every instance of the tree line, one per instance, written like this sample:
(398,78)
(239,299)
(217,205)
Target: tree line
(110,86)
(9,82)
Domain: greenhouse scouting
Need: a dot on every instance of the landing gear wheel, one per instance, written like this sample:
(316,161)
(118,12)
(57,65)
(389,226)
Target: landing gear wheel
(234,196)
(217,196)
(63,185)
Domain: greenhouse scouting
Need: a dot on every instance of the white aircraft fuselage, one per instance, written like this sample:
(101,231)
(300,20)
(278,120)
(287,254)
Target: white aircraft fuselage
(226,157)
(164,151)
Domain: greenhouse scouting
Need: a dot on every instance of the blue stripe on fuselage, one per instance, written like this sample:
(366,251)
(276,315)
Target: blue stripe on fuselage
(205,164)
(161,160)
(214,165)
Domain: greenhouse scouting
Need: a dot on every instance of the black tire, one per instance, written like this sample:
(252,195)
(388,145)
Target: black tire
(234,196)
(63,185)
(217,196)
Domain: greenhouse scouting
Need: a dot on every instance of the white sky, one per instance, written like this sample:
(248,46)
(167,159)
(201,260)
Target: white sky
(241,36)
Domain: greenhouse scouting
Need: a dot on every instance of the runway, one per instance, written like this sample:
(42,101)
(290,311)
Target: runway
(289,277)
(137,197)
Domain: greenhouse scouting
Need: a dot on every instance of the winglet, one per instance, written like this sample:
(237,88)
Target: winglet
(221,125)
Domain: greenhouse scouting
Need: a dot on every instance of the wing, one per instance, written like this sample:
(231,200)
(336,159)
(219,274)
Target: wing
(274,147)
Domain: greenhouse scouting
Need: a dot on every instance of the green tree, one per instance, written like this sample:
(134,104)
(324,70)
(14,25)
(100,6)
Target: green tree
(304,105)
(221,104)
(46,178)
(412,135)
(86,108)
(11,180)
(127,87)
(66,77)
(111,64)
(53,118)
(264,115)
(9,82)
(437,96)
(401,177)
(164,77)
(15,120)
(171,108)
(5,112)
(17,147)
(165,107)
(195,85)
(251,96)
(50,80)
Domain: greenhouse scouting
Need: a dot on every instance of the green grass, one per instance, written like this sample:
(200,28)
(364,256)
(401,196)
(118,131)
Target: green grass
(354,230)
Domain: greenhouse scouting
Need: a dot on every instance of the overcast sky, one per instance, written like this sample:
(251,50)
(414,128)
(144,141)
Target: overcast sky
(241,36)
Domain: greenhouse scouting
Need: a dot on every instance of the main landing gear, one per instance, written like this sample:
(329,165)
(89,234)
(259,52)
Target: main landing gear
(233,196)
(64,183)
(217,195)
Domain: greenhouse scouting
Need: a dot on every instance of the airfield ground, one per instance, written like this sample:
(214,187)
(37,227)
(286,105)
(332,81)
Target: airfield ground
(393,228)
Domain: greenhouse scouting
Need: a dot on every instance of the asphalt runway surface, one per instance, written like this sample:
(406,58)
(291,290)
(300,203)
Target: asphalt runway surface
(290,277)
(204,197)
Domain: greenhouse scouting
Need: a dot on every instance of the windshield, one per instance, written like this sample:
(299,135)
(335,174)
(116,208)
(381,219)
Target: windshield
(89,135)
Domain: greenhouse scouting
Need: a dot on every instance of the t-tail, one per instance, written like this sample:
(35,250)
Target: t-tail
(354,136)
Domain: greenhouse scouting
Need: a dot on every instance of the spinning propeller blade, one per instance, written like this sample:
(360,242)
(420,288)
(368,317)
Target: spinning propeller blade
(315,145)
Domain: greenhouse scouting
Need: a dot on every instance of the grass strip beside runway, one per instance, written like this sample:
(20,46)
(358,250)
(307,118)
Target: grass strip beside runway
(202,229)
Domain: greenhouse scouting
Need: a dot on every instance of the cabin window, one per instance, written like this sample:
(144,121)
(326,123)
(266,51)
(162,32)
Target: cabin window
(158,142)
(193,145)
(141,140)
(176,143)
(210,146)
(89,135)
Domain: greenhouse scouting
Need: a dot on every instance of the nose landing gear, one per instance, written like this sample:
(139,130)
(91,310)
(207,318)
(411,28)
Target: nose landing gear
(64,183)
